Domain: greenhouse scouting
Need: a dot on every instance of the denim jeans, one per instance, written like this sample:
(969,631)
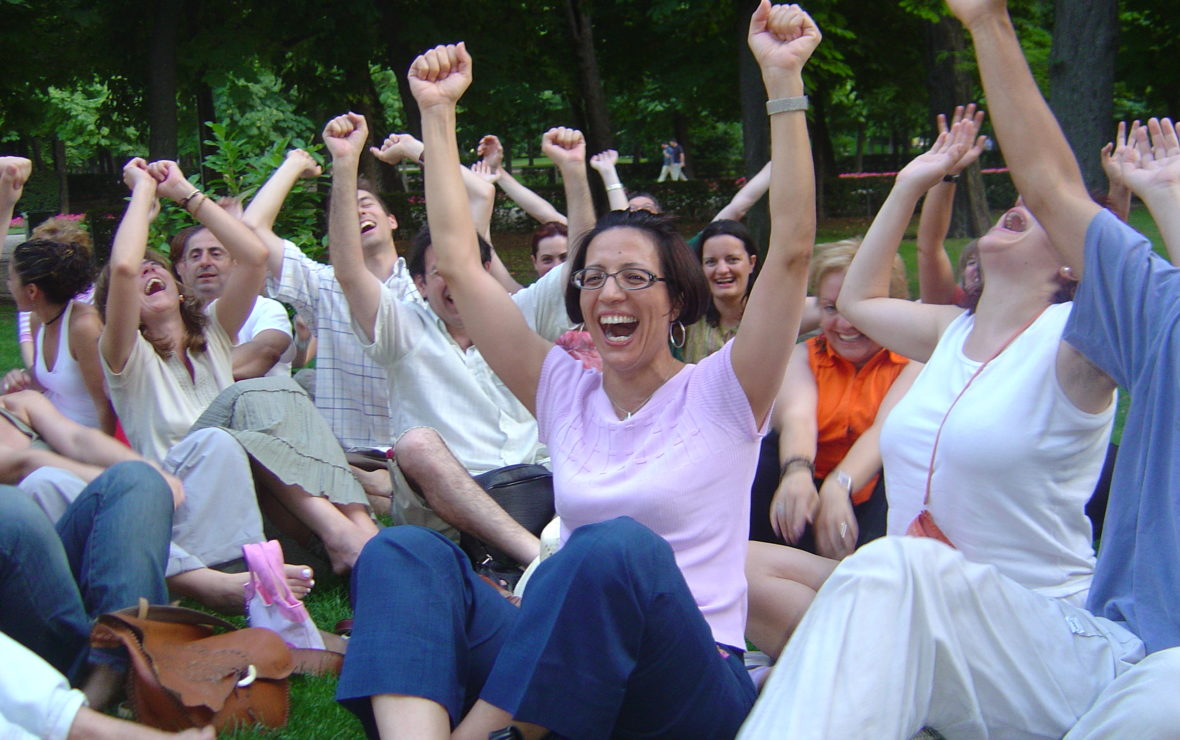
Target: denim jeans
(109,549)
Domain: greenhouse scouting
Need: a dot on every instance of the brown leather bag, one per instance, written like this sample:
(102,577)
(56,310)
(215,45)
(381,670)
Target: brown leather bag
(183,675)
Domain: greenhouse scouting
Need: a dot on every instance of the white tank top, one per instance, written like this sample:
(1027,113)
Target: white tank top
(64,385)
(1016,463)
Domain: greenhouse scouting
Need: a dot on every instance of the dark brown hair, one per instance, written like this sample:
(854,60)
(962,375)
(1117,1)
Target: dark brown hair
(192,313)
(681,268)
(61,270)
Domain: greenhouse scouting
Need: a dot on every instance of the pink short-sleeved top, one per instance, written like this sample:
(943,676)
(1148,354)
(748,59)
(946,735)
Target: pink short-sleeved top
(681,466)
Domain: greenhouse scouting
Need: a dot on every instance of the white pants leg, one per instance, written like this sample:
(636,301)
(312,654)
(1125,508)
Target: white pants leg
(1141,703)
(908,633)
(220,509)
(53,489)
(35,700)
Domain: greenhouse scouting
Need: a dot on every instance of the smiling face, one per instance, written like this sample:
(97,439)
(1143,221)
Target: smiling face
(551,252)
(434,289)
(1020,240)
(841,335)
(158,289)
(204,266)
(629,327)
(727,266)
(377,226)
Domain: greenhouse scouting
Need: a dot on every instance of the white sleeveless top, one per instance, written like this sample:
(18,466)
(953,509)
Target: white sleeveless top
(64,385)
(1016,463)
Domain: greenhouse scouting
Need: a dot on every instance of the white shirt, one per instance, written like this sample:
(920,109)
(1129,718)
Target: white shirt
(268,314)
(352,390)
(1016,462)
(157,400)
(35,700)
(454,391)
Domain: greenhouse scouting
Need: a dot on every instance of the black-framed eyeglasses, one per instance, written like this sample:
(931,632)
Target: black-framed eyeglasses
(629,278)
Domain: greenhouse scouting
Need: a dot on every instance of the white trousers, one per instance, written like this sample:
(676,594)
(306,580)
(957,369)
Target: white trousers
(53,489)
(220,509)
(35,700)
(907,633)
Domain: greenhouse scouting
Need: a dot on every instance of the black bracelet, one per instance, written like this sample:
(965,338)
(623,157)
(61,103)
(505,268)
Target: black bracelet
(950,178)
(791,462)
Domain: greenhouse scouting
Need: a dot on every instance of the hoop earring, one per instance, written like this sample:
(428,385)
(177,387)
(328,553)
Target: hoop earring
(672,334)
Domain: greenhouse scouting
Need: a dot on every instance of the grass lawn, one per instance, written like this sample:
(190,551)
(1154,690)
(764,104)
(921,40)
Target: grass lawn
(315,714)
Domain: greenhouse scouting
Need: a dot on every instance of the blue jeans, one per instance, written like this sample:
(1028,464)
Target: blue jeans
(108,550)
(608,641)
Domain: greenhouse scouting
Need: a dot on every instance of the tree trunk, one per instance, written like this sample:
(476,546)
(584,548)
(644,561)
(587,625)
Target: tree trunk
(206,114)
(63,179)
(599,135)
(949,85)
(823,153)
(162,81)
(1081,79)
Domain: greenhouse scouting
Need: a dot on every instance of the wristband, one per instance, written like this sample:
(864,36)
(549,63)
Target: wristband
(844,480)
(796,461)
(184,201)
(950,178)
(616,186)
(193,211)
(786,105)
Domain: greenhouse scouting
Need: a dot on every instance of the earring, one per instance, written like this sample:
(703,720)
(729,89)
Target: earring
(678,344)
(1067,272)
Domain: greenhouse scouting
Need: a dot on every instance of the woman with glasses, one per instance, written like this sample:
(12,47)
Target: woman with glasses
(635,626)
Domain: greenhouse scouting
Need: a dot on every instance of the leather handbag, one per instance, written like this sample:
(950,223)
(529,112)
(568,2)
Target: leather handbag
(526,493)
(184,675)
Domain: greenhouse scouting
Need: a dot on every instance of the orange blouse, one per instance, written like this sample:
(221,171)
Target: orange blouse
(847,403)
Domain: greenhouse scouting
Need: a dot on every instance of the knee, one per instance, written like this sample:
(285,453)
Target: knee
(140,483)
(403,546)
(418,449)
(894,564)
(1149,693)
(616,541)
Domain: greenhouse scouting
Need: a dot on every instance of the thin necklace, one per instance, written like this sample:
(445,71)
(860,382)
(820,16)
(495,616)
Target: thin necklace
(631,412)
(59,314)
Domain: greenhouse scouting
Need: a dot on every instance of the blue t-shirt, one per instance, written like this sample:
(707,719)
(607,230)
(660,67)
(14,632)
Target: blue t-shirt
(1126,320)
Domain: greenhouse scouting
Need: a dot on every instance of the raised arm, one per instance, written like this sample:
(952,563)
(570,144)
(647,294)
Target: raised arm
(782,39)
(438,79)
(14,173)
(908,328)
(1038,156)
(268,201)
(566,148)
(745,198)
(936,276)
(533,204)
(1152,171)
(244,283)
(604,164)
(345,137)
(123,299)
(1113,157)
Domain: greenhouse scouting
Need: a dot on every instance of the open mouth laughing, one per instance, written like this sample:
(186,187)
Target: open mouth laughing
(617,328)
(153,286)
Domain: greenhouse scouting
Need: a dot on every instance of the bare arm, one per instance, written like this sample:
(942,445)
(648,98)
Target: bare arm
(745,198)
(1039,159)
(264,207)
(244,283)
(782,40)
(796,498)
(14,173)
(438,79)
(534,205)
(255,358)
(604,164)
(908,328)
(85,329)
(566,148)
(936,276)
(345,137)
(1152,171)
(127,251)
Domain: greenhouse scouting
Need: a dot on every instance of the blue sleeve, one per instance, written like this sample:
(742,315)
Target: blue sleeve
(1127,299)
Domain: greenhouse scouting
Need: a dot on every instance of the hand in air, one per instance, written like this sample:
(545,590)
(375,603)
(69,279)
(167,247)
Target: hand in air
(782,37)
(491,151)
(604,160)
(927,169)
(1116,154)
(346,136)
(1153,158)
(564,146)
(485,172)
(974,118)
(397,148)
(14,173)
(135,174)
(309,167)
(172,183)
(440,76)
(970,11)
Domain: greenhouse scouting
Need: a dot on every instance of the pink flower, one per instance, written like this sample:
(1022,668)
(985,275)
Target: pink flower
(581,346)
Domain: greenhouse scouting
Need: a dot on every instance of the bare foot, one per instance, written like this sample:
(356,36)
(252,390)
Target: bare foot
(378,487)
(344,547)
(226,592)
